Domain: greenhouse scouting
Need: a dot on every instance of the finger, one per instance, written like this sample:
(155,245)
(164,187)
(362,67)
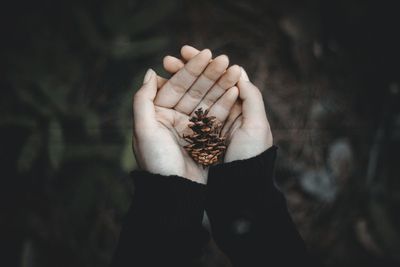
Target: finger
(235,112)
(143,107)
(172,91)
(223,106)
(172,64)
(160,81)
(244,75)
(253,109)
(229,79)
(188,52)
(200,88)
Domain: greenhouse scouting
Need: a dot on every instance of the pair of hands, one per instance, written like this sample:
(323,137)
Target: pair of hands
(162,108)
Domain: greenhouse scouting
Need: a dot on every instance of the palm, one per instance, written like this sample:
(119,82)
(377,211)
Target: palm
(245,142)
(248,131)
(235,140)
(171,125)
(249,134)
(162,109)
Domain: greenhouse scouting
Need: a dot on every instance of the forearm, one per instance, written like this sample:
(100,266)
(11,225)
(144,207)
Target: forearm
(249,216)
(163,226)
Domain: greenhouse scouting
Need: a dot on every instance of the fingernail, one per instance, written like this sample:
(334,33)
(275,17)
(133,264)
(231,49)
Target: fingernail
(148,76)
(208,51)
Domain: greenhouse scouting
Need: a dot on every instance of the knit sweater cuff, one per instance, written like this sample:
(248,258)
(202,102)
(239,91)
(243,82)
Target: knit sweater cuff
(170,202)
(249,175)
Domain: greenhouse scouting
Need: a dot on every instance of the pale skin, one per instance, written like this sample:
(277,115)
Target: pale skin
(162,109)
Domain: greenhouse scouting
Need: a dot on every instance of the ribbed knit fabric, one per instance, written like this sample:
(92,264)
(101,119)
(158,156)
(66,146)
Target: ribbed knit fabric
(173,202)
(164,224)
(248,214)
(249,217)
(252,178)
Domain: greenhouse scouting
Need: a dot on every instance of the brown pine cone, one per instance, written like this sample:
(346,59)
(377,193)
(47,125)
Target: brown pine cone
(206,146)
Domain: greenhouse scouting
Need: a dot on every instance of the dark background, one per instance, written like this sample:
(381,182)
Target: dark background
(330,78)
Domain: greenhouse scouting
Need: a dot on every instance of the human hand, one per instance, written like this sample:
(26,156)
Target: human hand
(247,128)
(161,117)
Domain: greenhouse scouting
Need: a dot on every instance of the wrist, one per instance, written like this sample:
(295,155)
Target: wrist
(249,143)
(243,180)
(170,202)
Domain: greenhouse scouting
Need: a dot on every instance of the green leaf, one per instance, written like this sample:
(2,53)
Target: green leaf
(78,152)
(30,152)
(91,123)
(54,94)
(31,99)
(28,253)
(385,227)
(128,162)
(123,48)
(18,120)
(121,18)
(89,31)
(152,15)
(55,143)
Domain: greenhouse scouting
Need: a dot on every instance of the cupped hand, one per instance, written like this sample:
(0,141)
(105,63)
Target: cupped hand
(247,128)
(162,109)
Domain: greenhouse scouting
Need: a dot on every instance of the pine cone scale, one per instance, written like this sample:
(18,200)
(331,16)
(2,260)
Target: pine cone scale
(206,146)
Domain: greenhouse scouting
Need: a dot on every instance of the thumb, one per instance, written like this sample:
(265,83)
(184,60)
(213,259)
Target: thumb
(143,106)
(244,75)
(253,109)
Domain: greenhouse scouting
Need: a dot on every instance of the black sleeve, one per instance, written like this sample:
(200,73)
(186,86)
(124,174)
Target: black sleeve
(249,217)
(164,224)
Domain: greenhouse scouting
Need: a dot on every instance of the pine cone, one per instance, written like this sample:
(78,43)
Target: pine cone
(206,146)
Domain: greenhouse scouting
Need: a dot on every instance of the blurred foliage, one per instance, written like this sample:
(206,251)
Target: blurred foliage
(328,72)
(69,70)
(53,79)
